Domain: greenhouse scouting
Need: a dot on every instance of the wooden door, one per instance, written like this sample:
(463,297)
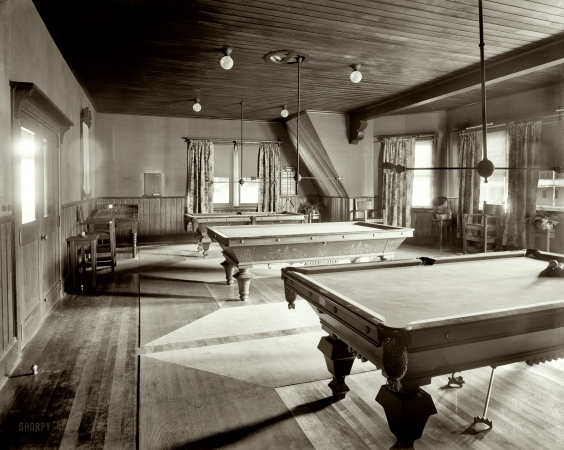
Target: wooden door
(39,196)
(49,228)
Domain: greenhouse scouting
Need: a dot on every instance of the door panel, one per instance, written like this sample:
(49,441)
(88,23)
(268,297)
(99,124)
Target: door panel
(40,232)
(31,195)
(50,232)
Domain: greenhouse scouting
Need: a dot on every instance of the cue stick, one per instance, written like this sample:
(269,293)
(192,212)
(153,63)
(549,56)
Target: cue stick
(484,419)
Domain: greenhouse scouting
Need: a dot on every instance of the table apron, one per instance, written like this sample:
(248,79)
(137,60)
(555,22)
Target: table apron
(425,364)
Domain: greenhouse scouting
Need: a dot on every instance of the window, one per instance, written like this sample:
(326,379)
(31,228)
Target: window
(228,160)
(28,175)
(423,180)
(85,123)
(49,187)
(495,190)
(288,184)
(550,183)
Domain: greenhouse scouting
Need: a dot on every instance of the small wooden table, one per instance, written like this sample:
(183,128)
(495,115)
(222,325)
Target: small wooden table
(121,214)
(544,235)
(81,243)
(439,225)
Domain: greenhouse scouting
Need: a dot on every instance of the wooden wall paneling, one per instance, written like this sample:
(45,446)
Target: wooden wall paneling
(4,295)
(180,211)
(176,225)
(8,329)
(162,215)
(157,216)
(170,204)
(144,214)
(421,221)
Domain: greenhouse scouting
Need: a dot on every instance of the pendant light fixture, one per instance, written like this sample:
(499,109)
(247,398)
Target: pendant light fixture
(356,76)
(227,62)
(284,112)
(196,106)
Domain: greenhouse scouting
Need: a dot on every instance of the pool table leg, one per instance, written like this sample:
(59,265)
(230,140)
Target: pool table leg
(339,362)
(244,278)
(229,268)
(407,413)
(205,244)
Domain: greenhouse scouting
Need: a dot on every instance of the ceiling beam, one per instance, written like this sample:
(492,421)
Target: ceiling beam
(516,66)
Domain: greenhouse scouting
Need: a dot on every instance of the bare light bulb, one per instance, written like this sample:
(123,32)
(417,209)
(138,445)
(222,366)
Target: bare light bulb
(356,76)
(284,112)
(197,107)
(227,62)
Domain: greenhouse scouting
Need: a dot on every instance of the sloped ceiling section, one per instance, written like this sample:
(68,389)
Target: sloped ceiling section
(314,156)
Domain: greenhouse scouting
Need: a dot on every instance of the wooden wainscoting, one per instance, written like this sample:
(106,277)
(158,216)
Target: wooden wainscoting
(70,227)
(157,215)
(8,324)
(421,221)
(335,209)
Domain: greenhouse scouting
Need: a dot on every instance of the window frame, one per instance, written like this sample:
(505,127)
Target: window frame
(85,124)
(234,185)
(434,178)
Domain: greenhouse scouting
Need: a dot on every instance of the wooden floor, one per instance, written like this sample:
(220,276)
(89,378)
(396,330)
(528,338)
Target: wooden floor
(96,368)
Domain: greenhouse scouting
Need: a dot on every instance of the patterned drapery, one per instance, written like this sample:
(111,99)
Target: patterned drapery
(524,140)
(269,173)
(469,189)
(398,187)
(199,189)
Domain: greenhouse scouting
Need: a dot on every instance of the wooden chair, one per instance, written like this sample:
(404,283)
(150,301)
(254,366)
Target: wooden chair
(484,229)
(106,232)
(362,211)
(105,248)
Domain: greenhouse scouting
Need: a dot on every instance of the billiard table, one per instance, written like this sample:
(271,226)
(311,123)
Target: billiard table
(416,322)
(244,246)
(201,221)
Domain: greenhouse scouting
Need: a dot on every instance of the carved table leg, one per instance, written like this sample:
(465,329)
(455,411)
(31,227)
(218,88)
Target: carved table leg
(228,271)
(205,244)
(244,278)
(290,297)
(198,236)
(407,413)
(339,362)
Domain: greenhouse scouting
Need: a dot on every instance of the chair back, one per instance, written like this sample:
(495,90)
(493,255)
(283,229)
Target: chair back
(490,209)
(361,209)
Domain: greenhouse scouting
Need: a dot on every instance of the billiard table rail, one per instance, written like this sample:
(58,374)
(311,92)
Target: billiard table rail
(308,235)
(434,347)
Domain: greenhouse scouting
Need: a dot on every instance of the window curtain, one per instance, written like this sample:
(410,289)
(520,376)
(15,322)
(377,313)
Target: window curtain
(269,174)
(199,189)
(524,140)
(398,187)
(469,188)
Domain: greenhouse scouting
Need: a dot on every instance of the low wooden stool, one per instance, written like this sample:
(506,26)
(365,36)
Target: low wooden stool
(544,235)
(440,225)
(76,243)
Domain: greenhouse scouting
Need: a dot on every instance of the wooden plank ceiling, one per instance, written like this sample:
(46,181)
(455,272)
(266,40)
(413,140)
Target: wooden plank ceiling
(154,57)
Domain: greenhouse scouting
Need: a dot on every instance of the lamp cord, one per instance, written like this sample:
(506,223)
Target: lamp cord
(483,70)
(298,120)
(241,173)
